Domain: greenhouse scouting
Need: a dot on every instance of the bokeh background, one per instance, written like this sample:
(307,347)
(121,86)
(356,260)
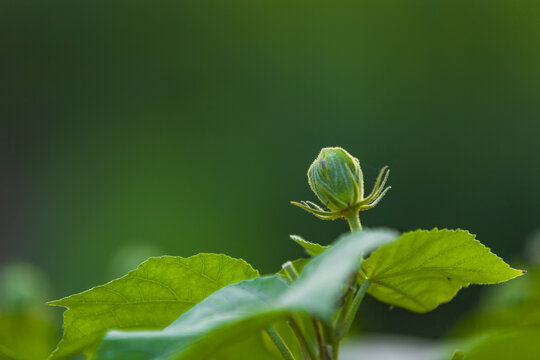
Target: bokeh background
(131,129)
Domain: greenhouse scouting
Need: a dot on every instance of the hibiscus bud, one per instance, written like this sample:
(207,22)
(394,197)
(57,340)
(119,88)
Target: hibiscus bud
(336,178)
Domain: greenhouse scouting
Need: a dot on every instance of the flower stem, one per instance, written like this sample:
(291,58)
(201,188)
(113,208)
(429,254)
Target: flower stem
(353,219)
(352,303)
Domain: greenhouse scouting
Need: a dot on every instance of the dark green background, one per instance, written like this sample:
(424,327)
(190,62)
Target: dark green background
(189,126)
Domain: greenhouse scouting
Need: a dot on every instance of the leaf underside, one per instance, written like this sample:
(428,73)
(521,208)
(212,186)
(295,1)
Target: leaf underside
(423,269)
(150,297)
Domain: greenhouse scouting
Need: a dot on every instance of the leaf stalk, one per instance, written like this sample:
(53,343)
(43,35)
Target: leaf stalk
(304,343)
(284,350)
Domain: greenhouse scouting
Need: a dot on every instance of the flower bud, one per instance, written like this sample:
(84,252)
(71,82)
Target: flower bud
(336,178)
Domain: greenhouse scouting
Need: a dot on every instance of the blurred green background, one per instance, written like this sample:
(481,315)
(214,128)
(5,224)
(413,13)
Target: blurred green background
(143,128)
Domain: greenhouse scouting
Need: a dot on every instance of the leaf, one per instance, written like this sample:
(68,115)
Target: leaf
(423,269)
(521,315)
(7,354)
(507,345)
(247,307)
(27,329)
(26,336)
(298,265)
(458,355)
(322,278)
(229,313)
(311,248)
(150,297)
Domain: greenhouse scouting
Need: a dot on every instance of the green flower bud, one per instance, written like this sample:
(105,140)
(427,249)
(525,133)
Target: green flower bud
(336,178)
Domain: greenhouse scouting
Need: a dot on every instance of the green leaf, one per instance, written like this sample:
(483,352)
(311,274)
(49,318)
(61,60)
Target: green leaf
(8,354)
(221,319)
(311,248)
(150,297)
(507,345)
(245,308)
(458,355)
(321,282)
(298,265)
(423,269)
(26,336)
(521,316)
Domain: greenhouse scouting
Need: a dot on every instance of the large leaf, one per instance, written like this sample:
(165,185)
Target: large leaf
(423,269)
(230,313)
(246,308)
(150,297)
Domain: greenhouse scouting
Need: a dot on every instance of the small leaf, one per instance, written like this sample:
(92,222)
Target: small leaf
(311,248)
(245,308)
(298,265)
(150,297)
(423,269)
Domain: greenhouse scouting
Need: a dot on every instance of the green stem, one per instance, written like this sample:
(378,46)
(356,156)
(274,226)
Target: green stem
(340,321)
(304,343)
(353,219)
(318,335)
(331,345)
(280,344)
(352,303)
(345,325)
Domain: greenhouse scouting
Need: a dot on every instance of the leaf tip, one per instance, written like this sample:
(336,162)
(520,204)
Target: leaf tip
(516,273)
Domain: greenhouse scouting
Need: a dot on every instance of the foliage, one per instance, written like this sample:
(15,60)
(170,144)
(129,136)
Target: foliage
(212,306)
(243,308)
(426,268)
(507,322)
(26,327)
(150,297)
